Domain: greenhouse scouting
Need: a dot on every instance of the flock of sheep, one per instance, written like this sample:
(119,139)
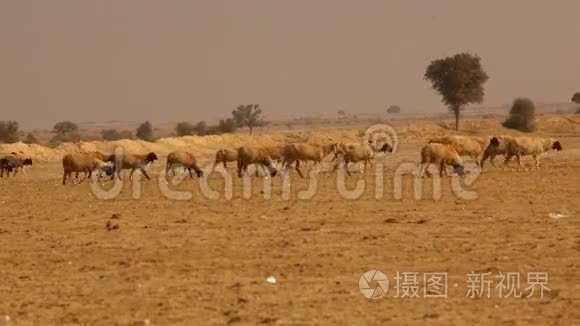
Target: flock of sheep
(446,151)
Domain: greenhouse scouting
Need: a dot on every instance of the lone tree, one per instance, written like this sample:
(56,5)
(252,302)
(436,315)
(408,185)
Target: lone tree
(249,115)
(522,115)
(459,80)
(576,99)
(145,131)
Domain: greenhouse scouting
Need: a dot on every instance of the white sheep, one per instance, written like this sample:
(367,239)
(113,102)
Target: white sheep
(523,146)
(496,146)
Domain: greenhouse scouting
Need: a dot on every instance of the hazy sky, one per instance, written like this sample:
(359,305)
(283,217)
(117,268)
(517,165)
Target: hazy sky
(191,60)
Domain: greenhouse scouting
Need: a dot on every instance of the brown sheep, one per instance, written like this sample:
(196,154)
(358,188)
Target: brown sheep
(442,155)
(254,155)
(12,163)
(81,162)
(132,162)
(354,153)
(225,155)
(184,159)
(306,152)
(464,145)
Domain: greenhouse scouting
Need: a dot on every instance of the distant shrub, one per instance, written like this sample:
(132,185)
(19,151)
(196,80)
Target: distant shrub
(9,132)
(69,137)
(145,131)
(200,128)
(113,134)
(578,111)
(65,127)
(184,129)
(522,115)
(30,139)
(227,126)
(110,134)
(394,109)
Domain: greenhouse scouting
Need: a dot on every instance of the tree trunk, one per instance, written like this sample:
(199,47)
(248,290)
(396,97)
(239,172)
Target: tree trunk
(457,112)
(250,127)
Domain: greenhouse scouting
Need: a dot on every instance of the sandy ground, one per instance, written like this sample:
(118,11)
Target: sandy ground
(206,261)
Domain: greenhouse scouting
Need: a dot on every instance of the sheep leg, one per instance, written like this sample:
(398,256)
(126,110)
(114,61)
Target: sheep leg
(190,172)
(64,177)
(167,170)
(492,160)
(15,171)
(240,166)
(537,158)
(298,168)
(346,167)
(144,173)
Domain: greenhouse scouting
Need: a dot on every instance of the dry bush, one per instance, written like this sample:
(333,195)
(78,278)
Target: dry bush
(522,115)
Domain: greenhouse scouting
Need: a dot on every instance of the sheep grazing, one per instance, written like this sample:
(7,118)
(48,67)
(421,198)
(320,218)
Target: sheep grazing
(306,152)
(132,162)
(254,155)
(523,146)
(225,155)
(496,146)
(82,162)
(184,159)
(355,153)
(464,145)
(275,152)
(442,155)
(13,163)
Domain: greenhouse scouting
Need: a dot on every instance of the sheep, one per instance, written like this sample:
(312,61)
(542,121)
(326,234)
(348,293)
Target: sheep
(81,162)
(133,162)
(12,163)
(354,153)
(523,146)
(306,152)
(275,152)
(496,146)
(185,159)
(464,145)
(223,156)
(254,155)
(442,155)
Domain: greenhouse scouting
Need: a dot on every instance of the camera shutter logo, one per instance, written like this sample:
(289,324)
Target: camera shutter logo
(373,278)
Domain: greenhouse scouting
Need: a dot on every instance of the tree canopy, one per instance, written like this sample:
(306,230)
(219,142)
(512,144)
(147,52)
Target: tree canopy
(459,80)
(249,115)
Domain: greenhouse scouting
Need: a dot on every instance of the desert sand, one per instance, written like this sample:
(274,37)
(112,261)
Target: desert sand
(70,258)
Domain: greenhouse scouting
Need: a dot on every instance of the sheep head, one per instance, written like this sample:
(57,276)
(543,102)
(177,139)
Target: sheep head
(494,141)
(386,148)
(151,157)
(557,146)
(458,168)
